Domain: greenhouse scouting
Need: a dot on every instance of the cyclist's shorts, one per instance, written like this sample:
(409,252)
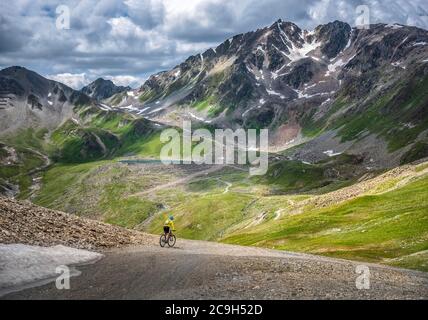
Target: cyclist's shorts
(166,229)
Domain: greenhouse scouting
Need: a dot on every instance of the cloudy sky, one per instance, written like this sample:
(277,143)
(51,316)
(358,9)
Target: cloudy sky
(128,40)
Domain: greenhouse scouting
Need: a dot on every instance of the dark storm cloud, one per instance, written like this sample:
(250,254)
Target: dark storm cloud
(12,37)
(127,40)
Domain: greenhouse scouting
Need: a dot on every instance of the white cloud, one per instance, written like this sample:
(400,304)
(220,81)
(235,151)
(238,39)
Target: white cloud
(400,11)
(136,38)
(75,81)
(79,80)
(123,27)
(131,81)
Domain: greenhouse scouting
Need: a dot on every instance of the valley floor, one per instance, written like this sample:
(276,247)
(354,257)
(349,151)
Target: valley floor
(206,270)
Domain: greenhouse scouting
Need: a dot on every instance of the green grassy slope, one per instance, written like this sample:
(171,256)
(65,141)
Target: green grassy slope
(98,190)
(120,134)
(205,217)
(26,143)
(17,173)
(398,114)
(390,225)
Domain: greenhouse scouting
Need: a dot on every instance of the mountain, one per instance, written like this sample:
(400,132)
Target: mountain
(102,89)
(344,89)
(332,90)
(30,100)
(43,122)
(347,111)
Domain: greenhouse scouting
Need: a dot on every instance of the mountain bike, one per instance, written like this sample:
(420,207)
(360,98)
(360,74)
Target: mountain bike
(169,239)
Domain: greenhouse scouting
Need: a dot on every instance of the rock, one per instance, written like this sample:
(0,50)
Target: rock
(24,222)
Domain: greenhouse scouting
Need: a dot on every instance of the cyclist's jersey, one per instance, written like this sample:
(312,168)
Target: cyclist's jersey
(169,223)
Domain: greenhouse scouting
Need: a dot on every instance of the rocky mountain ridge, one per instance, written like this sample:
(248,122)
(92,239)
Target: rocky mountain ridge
(102,89)
(356,89)
(332,90)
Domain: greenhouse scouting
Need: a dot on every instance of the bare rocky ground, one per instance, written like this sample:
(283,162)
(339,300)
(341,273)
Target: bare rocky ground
(135,267)
(203,270)
(26,223)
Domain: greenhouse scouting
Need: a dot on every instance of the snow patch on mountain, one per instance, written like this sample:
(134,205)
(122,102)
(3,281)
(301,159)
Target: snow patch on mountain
(336,65)
(199,118)
(331,153)
(274,93)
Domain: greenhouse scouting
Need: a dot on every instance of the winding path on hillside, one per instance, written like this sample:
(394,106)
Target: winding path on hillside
(198,269)
(180,181)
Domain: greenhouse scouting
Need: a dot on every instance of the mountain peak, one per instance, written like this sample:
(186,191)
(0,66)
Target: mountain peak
(102,89)
(14,70)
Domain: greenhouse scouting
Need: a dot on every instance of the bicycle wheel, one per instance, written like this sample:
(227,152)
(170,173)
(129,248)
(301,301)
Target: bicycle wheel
(171,241)
(162,240)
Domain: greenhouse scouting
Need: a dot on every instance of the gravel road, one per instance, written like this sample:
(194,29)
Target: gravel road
(205,270)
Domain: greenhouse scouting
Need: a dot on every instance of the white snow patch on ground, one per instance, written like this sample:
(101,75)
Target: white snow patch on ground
(130,108)
(274,93)
(297,53)
(301,53)
(260,48)
(199,118)
(332,67)
(398,64)
(419,44)
(409,125)
(339,63)
(50,102)
(331,153)
(130,93)
(144,110)
(49,95)
(326,101)
(394,26)
(21,265)
(302,95)
(349,43)
(177,74)
(156,110)
(105,107)
(310,86)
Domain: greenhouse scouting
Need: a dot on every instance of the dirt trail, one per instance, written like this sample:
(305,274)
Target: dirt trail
(100,143)
(205,270)
(36,173)
(179,181)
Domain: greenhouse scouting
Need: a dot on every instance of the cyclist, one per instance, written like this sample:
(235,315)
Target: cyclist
(168,227)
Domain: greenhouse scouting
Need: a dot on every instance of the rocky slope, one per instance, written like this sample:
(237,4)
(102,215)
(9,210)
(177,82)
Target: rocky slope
(360,91)
(335,89)
(34,101)
(102,89)
(206,270)
(26,223)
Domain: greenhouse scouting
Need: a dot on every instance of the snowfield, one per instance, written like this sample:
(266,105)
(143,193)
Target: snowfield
(21,265)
